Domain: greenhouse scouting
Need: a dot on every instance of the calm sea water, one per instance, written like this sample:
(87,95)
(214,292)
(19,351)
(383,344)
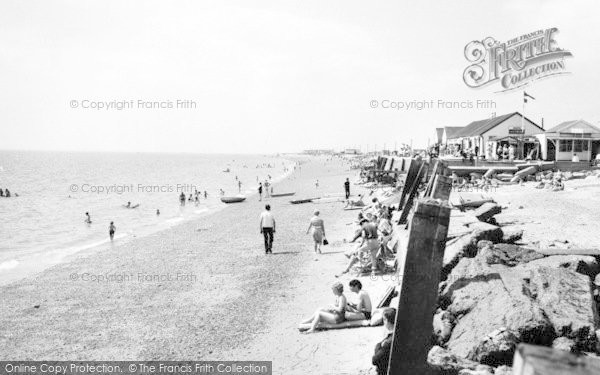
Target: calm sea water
(55,190)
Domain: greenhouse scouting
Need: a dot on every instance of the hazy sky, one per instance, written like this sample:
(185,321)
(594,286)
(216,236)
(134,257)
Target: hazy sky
(269,76)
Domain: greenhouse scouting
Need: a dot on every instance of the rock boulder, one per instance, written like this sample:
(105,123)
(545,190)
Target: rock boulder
(566,298)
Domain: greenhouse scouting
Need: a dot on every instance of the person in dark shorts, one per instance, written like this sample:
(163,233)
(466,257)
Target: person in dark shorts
(267,228)
(347,188)
(361,310)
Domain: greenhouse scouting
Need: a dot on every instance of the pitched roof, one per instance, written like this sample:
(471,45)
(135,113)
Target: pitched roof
(581,126)
(481,126)
(451,131)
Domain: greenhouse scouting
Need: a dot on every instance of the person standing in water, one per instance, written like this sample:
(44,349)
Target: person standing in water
(347,188)
(111,230)
(88,219)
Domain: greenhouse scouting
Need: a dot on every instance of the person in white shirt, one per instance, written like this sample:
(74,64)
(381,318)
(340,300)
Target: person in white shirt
(267,228)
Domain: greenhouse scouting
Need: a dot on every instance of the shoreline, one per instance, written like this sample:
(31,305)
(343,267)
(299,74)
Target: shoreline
(35,261)
(230,286)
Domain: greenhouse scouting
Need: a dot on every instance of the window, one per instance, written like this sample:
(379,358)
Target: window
(565,145)
(580,145)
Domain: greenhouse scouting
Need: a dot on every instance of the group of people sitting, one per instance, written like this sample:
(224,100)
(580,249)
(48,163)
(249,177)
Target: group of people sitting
(361,310)
(375,231)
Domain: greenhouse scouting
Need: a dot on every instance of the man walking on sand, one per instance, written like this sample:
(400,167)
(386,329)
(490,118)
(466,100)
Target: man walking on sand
(267,228)
(347,187)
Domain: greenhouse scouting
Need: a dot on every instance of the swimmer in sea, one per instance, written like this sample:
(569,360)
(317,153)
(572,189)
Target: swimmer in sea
(111,230)
(88,219)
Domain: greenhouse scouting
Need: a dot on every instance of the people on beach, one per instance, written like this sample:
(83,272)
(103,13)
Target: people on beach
(318,230)
(111,230)
(240,186)
(381,355)
(332,314)
(260,191)
(6,193)
(88,219)
(363,308)
(267,228)
(385,229)
(317,184)
(368,247)
(347,188)
(182,199)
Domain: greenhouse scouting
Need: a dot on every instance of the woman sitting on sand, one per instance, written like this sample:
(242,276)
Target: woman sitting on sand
(318,230)
(333,314)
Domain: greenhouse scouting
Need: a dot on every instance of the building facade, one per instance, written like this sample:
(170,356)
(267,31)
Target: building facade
(570,141)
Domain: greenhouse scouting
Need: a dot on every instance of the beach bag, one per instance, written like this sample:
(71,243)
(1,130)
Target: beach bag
(325,242)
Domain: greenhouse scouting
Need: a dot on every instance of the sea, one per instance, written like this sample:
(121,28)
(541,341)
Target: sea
(44,220)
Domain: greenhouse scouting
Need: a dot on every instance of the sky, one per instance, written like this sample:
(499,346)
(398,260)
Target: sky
(269,76)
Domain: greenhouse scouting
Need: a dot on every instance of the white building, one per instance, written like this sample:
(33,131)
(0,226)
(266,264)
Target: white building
(568,139)
(483,137)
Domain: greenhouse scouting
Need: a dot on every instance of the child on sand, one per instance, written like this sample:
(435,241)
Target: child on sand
(333,314)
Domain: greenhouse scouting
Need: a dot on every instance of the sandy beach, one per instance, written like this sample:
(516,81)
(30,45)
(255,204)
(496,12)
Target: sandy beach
(205,290)
(201,290)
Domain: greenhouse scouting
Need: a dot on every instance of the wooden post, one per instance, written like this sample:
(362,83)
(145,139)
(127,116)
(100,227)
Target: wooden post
(441,187)
(414,189)
(419,291)
(540,360)
(413,169)
(432,178)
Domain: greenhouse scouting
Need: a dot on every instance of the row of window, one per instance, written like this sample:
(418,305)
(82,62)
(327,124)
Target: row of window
(572,145)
